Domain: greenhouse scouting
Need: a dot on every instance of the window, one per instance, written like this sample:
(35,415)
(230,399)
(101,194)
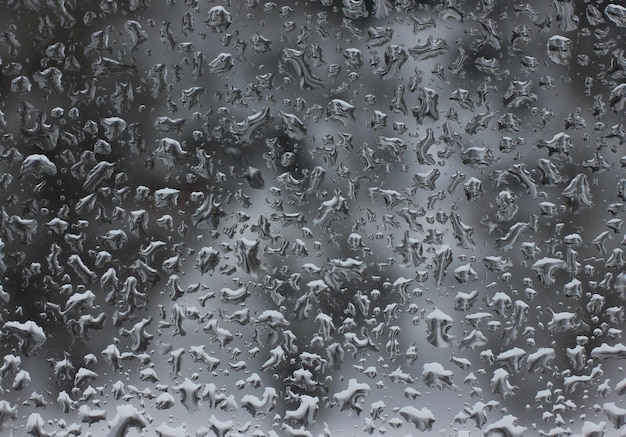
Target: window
(312,218)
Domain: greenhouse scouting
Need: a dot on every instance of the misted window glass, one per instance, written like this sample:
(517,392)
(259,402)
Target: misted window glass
(312,218)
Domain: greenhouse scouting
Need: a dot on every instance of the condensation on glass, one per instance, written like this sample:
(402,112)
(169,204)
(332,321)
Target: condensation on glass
(312,218)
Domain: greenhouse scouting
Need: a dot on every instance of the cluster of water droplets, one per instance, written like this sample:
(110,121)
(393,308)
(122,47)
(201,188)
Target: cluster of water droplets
(312,219)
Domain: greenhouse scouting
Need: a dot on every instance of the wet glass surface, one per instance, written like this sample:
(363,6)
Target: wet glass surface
(312,218)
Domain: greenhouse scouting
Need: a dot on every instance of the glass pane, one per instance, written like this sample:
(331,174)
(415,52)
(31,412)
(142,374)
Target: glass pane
(312,218)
